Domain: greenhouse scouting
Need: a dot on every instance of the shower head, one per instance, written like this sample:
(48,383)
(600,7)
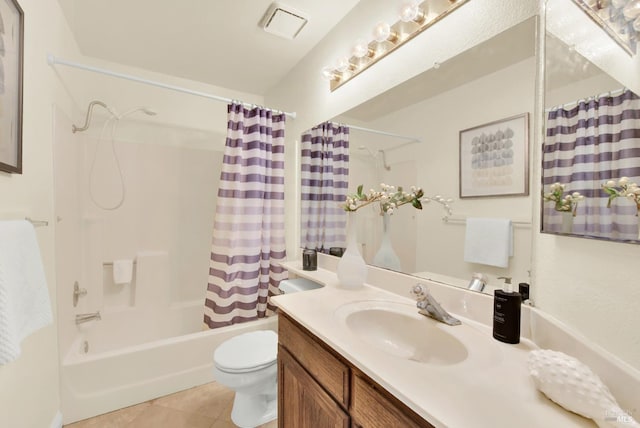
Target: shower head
(368,151)
(146,110)
(149,111)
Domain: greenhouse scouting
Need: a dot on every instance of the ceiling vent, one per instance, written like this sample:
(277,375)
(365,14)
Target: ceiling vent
(283,21)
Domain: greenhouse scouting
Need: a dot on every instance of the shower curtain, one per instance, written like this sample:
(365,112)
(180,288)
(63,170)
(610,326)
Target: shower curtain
(596,141)
(324,177)
(248,233)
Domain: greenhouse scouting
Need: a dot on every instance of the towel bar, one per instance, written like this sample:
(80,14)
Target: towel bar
(37,223)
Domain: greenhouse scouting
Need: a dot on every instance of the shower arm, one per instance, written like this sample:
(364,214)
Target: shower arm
(87,119)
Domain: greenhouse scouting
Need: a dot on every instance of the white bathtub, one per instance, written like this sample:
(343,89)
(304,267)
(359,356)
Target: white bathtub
(131,359)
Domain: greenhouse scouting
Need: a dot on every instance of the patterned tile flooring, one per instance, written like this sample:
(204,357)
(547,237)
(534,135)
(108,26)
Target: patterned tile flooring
(206,406)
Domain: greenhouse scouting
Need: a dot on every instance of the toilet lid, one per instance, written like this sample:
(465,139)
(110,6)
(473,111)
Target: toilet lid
(247,351)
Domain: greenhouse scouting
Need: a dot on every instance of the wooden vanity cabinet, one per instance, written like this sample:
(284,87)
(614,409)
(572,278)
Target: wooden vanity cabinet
(317,388)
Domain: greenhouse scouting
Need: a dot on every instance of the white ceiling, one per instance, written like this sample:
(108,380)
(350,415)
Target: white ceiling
(213,41)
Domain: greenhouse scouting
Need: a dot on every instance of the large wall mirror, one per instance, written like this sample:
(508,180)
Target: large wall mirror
(491,82)
(591,153)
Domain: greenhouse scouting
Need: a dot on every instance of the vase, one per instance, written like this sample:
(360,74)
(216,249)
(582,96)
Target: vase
(352,269)
(567,222)
(386,257)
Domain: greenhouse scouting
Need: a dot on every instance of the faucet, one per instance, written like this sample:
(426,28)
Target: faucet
(430,307)
(82,318)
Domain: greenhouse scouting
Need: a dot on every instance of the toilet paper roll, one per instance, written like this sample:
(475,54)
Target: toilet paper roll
(122,271)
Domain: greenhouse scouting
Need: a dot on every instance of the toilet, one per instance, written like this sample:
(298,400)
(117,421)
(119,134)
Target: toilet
(247,364)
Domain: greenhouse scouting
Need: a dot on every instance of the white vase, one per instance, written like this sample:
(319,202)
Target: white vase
(352,269)
(567,222)
(386,257)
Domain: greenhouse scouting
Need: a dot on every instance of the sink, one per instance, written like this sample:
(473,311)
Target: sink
(398,330)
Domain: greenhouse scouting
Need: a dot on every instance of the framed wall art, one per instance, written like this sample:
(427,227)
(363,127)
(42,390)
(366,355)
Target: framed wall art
(494,158)
(11,62)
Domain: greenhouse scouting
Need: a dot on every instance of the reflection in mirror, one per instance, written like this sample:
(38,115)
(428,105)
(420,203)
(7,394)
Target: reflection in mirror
(489,82)
(592,135)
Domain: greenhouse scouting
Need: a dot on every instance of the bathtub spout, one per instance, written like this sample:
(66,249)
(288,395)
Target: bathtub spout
(82,318)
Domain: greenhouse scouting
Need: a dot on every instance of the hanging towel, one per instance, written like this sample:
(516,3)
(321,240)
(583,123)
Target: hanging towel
(122,271)
(488,241)
(24,297)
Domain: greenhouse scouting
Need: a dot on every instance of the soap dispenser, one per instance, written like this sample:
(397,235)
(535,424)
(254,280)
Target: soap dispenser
(506,313)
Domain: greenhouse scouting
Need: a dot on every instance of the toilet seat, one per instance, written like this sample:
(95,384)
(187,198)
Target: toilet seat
(247,352)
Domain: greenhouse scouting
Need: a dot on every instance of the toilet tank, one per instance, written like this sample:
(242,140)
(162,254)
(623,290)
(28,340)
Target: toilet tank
(298,284)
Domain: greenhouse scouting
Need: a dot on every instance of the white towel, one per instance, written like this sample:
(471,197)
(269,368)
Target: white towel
(24,297)
(122,271)
(488,241)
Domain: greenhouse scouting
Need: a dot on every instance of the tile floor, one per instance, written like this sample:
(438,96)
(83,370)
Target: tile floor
(206,406)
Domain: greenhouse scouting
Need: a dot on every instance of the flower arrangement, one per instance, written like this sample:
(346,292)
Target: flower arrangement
(563,203)
(389,197)
(623,188)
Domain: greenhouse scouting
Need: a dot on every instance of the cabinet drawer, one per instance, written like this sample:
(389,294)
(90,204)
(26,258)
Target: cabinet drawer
(331,373)
(372,407)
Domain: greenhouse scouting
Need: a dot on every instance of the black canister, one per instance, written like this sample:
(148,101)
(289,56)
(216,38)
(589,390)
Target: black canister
(336,251)
(309,259)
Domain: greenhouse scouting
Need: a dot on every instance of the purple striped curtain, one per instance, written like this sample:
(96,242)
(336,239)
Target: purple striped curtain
(248,232)
(595,141)
(324,176)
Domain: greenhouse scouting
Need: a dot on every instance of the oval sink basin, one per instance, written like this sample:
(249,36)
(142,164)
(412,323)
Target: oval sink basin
(399,330)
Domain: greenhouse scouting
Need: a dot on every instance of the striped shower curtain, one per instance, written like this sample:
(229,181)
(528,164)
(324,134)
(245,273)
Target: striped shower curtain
(596,141)
(324,176)
(248,232)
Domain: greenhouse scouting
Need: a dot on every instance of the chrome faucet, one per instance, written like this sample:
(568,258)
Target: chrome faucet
(430,307)
(82,318)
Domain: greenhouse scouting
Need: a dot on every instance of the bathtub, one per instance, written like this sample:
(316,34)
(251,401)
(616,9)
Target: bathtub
(135,356)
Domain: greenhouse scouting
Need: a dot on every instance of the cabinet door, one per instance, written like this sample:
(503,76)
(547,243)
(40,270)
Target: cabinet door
(302,403)
(373,407)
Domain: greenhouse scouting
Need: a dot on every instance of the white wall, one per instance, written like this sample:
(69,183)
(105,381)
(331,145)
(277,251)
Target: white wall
(29,395)
(589,285)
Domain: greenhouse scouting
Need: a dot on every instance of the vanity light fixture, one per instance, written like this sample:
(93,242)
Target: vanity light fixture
(414,17)
(619,18)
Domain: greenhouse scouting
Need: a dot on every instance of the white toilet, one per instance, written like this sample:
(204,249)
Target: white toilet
(247,364)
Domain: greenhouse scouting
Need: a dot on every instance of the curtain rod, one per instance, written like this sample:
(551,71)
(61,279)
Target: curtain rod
(53,60)
(575,103)
(388,134)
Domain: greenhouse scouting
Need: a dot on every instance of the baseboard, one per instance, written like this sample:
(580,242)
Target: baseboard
(57,420)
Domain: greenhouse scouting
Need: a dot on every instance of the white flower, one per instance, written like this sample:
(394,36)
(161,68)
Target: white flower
(352,206)
(390,211)
(610,183)
(623,181)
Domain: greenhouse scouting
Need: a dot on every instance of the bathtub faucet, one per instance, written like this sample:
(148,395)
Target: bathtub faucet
(82,318)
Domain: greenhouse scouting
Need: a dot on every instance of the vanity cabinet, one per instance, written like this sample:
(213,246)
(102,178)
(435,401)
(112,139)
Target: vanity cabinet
(317,388)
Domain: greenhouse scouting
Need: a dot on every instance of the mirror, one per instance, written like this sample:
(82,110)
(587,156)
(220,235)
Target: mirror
(493,81)
(592,129)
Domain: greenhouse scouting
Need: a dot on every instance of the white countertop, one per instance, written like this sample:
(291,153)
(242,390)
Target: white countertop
(490,388)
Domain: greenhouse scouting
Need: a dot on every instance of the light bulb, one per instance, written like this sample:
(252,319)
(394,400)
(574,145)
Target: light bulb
(632,10)
(411,12)
(381,31)
(342,64)
(361,48)
(327,73)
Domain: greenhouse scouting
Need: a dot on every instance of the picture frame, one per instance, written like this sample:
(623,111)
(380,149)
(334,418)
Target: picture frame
(494,159)
(11,80)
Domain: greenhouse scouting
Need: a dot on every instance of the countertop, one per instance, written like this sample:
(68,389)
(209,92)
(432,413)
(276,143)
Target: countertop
(490,388)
